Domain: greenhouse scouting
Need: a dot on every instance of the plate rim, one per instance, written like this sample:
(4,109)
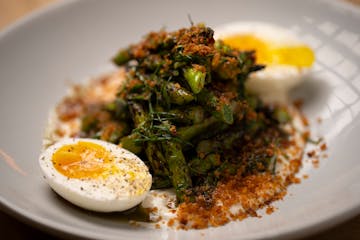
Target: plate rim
(55,228)
(35,14)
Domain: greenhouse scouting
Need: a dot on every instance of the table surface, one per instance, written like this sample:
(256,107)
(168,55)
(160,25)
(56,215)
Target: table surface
(11,10)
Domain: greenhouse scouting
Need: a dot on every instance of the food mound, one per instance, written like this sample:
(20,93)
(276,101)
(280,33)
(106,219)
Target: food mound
(179,103)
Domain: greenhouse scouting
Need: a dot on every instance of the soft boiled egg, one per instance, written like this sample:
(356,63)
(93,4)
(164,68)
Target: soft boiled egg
(95,174)
(286,57)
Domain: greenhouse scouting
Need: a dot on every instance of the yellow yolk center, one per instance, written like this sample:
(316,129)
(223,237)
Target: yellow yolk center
(268,53)
(84,160)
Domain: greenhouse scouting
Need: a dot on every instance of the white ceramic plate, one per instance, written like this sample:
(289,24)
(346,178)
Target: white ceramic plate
(73,40)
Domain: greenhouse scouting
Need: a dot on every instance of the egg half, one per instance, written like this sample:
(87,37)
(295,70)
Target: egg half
(286,57)
(95,175)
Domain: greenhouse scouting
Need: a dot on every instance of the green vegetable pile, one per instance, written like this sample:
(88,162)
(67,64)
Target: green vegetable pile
(185,111)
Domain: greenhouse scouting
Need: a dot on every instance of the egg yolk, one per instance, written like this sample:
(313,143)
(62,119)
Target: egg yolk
(84,160)
(268,53)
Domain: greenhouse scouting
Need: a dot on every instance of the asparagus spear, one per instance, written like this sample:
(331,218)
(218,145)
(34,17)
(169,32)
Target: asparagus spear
(223,141)
(219,109)
(118,108)
(139,118)
(156,160)
(178,94)
(122,57)
(179,171)
(195,78)
(190,115)
(188,133)
(160,182)
(200,166)
(129,142)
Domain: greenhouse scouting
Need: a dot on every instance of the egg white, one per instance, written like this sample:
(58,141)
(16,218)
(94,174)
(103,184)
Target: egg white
(116,192)
(273,83)
(273,34)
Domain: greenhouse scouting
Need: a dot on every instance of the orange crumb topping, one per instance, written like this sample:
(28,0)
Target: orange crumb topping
(252,192)
(270,210)
(323,147)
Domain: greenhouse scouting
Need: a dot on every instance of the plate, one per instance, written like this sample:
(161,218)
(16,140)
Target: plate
(74,40)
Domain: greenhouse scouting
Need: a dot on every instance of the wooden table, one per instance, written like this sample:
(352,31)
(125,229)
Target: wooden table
(11,10)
